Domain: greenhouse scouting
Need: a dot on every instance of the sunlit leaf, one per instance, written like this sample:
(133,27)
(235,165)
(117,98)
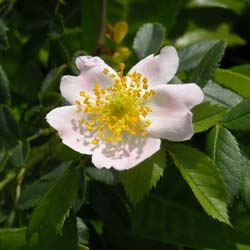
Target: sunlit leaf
(223,32)
(206,115)
(14,239)
(223,149)
(208,64)
(236,6)
(191,55)
(243,69)
(149,39)
(238,117)
(203,178)
(217,94)
(235,81)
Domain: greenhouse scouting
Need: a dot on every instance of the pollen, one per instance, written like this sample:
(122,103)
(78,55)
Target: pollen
(105,71)
(111,113)
(122,66)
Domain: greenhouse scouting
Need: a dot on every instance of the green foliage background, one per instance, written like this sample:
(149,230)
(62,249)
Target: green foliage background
(193,195)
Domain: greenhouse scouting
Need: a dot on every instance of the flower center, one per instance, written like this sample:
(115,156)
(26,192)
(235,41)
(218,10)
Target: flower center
(117,109)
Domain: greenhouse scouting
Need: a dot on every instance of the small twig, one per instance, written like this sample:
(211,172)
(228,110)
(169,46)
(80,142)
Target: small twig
(20,178)
(9,177)
(102,28)
(82,162)
(41,132)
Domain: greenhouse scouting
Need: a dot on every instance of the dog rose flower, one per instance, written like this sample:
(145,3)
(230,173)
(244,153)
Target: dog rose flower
(119,119)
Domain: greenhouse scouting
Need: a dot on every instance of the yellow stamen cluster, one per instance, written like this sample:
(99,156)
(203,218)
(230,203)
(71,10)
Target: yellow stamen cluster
(117,109)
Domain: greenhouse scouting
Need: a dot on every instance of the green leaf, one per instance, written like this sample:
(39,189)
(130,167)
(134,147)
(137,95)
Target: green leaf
(235,81)
(82,247)
(223,32)
(108,176)
(245,186)
(33,193)
(83,231)
(236,6)
(5,96)
(4,157)
(57,27)
(191,55)
(238,117)
(3,217)
(208,64)
(68,239)
(220,95)
(165,221)
(33,45)
(206,115)
(58,54)
(4,44)
(14,239)
(8,127)
(89,41)
(223,149)
(243,69)
(204,179)
(54,206)
(149,39)
(52,79)
(138,181)
(20,153)
(51,100)
(167,12)
(109,206)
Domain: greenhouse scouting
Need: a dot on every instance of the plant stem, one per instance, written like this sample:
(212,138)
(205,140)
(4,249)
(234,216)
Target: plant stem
(82,162)
(102,28)
(9,177)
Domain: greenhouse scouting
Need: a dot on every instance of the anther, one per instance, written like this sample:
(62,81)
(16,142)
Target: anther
(95,141)
(82,93)
(105,71)
(77,102)
(122,66)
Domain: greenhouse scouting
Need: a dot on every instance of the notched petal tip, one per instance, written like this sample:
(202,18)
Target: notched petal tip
(159,69)
(85,62)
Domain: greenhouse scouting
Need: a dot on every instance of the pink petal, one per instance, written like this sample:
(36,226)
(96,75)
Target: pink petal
(126,155)
(66,121)
(171,117)
(158,69)
(91,72)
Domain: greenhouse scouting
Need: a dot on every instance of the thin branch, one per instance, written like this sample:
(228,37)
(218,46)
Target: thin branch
(102,28)
(10,176)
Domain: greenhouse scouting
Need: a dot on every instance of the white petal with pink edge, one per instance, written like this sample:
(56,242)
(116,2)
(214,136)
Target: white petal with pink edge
(158,69)
(171,117)
(91,72)
(126,155)
(67,122)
